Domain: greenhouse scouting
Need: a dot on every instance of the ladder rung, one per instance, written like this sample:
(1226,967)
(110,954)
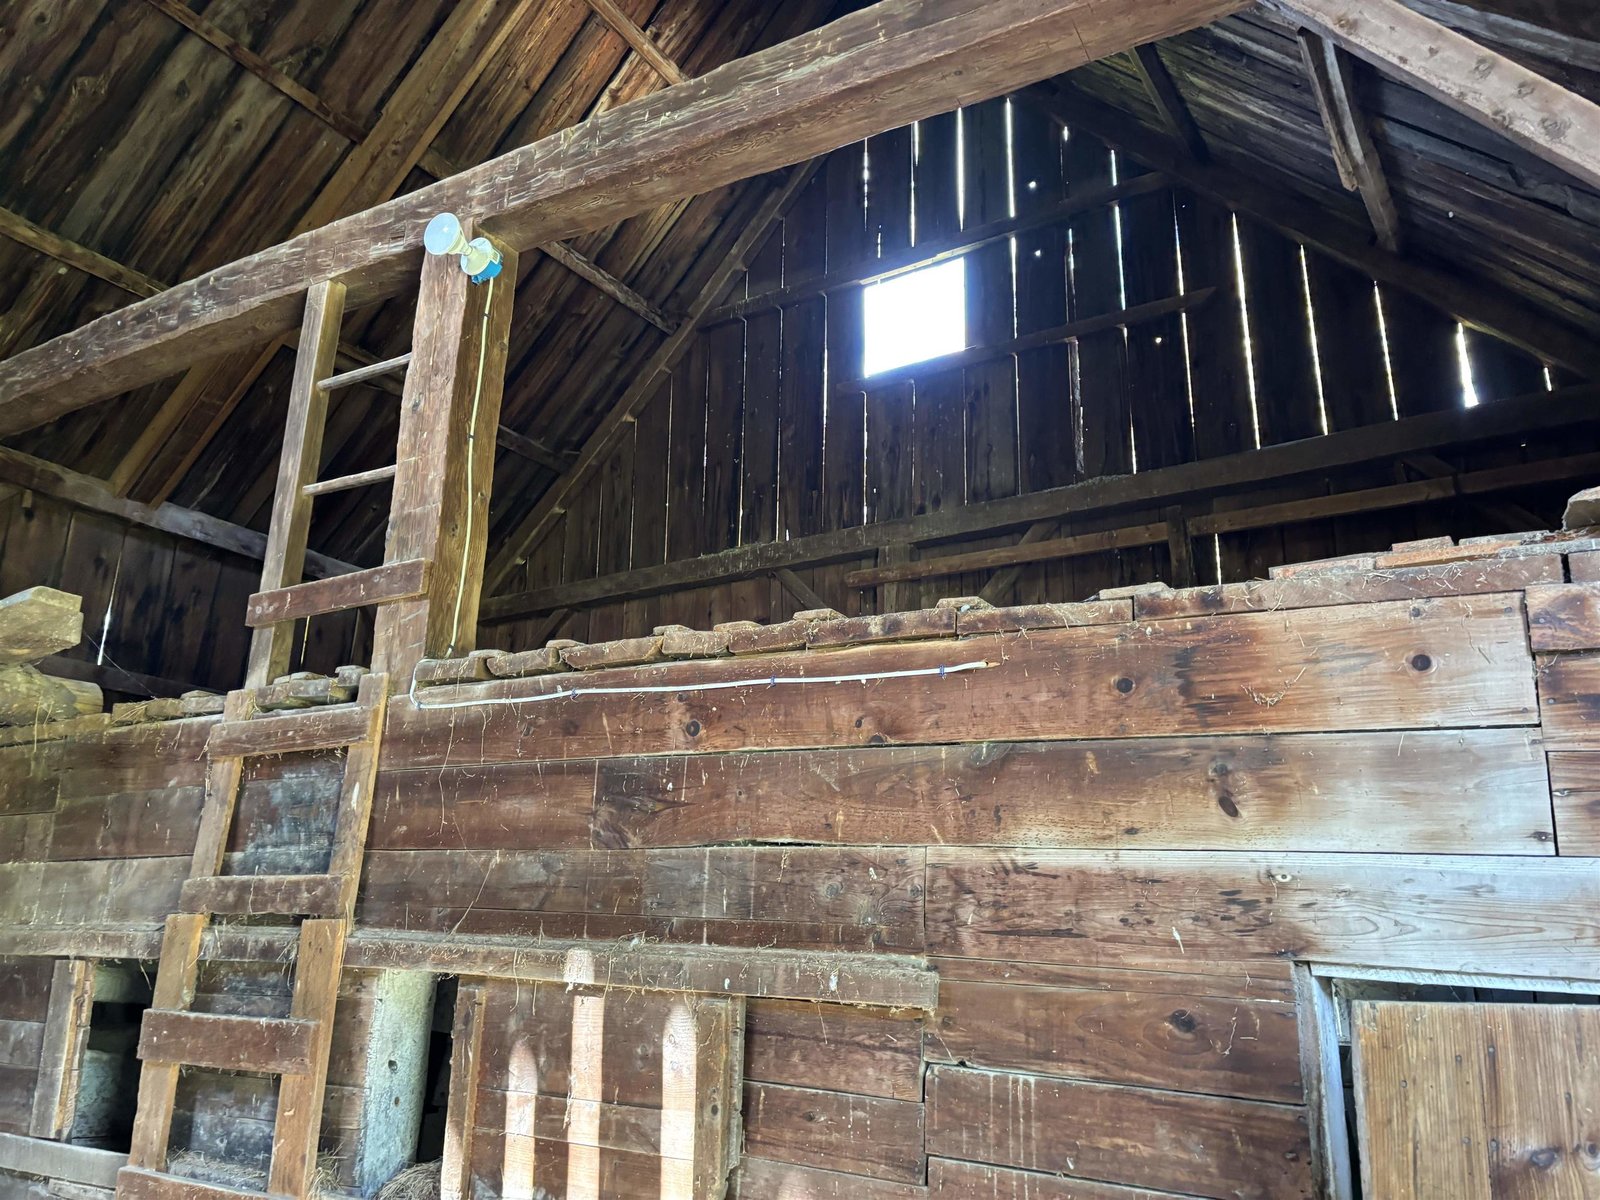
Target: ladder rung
(135,1183)
(297,732)
(379,585)
(268,1045)
(345,483)
(360,374)
(260,895)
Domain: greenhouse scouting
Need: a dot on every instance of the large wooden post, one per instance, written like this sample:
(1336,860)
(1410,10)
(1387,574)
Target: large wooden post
(445,465)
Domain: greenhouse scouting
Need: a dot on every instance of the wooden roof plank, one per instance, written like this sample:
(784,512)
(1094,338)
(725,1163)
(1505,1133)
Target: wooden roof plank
(882,67)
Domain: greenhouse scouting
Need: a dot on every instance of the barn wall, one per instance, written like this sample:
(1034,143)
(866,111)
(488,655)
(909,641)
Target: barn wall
(765,431)
(158,605)
(1111,843)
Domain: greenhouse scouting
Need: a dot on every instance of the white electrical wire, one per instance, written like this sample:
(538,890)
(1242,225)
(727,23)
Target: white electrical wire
(472,435)
(714,686)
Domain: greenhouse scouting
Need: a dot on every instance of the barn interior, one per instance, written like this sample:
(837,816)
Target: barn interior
(680,599)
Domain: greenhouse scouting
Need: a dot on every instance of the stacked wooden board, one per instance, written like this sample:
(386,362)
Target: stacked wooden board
(1111,827)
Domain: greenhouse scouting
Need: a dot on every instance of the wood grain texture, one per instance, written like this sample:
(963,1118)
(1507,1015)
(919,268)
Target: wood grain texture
(914,60)
(1575,790)
(1163,1039)
(951,1180)
(1409,792)
(1481,1102)
(1199,1145)
(866,1051)
(1428,663)
(806,1126)
(817,897)
(1155,910)
(1564,616)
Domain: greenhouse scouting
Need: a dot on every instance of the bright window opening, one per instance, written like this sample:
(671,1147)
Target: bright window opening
(915,317)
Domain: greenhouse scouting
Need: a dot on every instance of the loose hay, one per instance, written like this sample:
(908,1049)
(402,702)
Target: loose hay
(419,1182)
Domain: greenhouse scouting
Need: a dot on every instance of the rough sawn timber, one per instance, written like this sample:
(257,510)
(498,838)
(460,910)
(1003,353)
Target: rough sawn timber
(895,62)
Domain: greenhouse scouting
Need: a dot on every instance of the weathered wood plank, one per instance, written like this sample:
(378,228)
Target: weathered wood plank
(261,1044)
(1564,616)
(764,1179)
(1575,790)
(1558,125)
(1170,1040)
(1156,910)
(806,1127)
(300,732)
(1199,1145)
(870,1052)
(65,1033)
(877,69)
(855,898)
(1355,587)
(1405,792)
(1444,662)
(1476,1101)
(1569,700)
(379,585)
(78,1164)
(38,622)
(950,1180)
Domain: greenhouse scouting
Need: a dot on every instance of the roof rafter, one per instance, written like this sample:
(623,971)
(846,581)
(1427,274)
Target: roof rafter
(1541,116)
(1354,151)
(1482,307)
(879,68)
(641,41)
(373,171)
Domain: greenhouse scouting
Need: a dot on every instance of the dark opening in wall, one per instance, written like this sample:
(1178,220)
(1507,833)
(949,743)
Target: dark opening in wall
(108,1085)
(436,1088)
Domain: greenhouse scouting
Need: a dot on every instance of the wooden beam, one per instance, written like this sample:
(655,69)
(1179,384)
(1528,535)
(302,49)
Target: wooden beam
(534,450)
(612,15)
(1542,117)
(644,383)
(1148,489)
(1169,101)
(440,510)
(341,123)
(83,491)
(19,229)
(1522,36)
(1002,581)
(1483,307)
(927,254)
(609,284)
(894,62)
(373,171)
(800,590)
(1354,151)
(114,679)
(38,622)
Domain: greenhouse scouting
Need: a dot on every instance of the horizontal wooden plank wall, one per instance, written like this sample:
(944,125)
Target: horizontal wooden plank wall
(1111,841)
(160,606)
(765,431)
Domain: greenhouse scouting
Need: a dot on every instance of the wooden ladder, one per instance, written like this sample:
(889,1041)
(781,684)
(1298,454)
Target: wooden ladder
(295,1048)
(444,461)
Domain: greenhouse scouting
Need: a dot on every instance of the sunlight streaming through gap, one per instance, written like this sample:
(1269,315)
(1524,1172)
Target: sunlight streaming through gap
(1249,341)
(1469,386)
(1388,360)
(1316,345)
(961,168)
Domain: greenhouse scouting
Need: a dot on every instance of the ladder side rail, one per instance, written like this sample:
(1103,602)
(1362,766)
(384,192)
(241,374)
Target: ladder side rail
(298,465)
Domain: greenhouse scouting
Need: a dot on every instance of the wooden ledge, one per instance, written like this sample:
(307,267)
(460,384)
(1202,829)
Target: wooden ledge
(835,977)
(58,1160)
